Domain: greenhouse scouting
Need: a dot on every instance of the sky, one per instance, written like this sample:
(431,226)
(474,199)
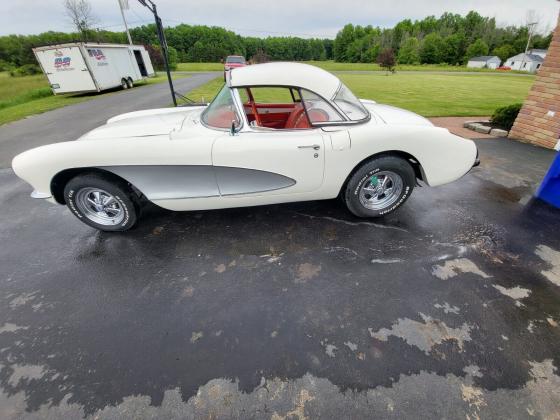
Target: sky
(305,18)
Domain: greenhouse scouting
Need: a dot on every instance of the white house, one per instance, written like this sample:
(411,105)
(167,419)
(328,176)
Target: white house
(525,62)
(485,61)
(540,53)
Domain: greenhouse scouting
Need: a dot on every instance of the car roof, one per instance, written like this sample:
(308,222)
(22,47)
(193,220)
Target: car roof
(286,74)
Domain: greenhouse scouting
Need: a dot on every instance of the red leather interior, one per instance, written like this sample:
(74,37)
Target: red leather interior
(221,118)
(281,116)
(298,118)
(318,115)
(270,115)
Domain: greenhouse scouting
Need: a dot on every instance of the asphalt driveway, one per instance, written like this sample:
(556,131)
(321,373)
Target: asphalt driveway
(448,308)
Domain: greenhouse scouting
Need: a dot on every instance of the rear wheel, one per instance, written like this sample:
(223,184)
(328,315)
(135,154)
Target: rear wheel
(379,186)
(130,83)
(103,203)
(124,84)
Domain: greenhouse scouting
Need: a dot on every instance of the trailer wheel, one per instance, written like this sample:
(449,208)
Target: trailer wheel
(130,83)
(124,83)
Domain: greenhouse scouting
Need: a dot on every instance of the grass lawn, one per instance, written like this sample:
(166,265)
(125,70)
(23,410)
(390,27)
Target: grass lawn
(21,97)
(333,66)
(200,67)
(431,95)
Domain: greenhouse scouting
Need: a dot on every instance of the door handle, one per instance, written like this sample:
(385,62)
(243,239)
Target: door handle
(311,146)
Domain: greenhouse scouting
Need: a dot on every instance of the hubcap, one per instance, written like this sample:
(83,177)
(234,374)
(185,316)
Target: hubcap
(381,190)
(99,206)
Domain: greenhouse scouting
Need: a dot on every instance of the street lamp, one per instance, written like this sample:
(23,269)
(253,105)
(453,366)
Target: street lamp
(161,36)
(531,27)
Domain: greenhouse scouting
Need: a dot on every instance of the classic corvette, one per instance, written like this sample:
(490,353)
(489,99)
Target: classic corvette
(275,133)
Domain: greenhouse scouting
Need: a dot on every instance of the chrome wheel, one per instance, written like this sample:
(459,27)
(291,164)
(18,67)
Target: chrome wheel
(99,206)
(381,190)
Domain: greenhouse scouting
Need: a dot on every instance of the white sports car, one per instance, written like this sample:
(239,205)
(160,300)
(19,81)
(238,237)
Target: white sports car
(275,133)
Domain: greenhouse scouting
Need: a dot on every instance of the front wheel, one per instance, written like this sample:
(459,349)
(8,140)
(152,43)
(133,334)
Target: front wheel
(379,186)
(103,203)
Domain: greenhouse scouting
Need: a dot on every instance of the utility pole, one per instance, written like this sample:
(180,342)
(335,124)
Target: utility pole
(123,4)
(531,26)
(161,36)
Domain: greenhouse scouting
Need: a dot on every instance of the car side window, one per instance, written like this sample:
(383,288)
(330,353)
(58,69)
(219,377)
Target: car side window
(318,109)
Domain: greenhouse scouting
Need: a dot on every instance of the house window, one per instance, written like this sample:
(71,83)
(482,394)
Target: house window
(512,63)
(538,66)
(524,65)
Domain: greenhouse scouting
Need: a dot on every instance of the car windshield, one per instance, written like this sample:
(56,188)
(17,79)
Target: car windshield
(349,104)
(221,113)
(239,60)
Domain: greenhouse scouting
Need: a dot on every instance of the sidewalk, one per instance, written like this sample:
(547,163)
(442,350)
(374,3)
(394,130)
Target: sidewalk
(455,125)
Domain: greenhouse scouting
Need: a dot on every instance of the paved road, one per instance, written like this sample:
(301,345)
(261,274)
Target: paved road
(70,122)
(447,308)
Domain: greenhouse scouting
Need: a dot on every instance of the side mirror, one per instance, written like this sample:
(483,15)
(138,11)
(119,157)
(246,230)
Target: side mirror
(233,129)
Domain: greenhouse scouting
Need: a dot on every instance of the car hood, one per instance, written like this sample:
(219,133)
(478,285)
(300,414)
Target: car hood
(153,122)
(393,115)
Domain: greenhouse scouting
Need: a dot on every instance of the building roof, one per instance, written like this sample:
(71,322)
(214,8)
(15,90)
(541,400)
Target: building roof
(484,58)
(528,58)
(286,74)
(537,50)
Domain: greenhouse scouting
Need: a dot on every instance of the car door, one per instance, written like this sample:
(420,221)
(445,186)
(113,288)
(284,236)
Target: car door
(269,162)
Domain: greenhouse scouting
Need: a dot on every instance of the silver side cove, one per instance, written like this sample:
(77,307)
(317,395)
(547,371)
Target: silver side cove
(168,182)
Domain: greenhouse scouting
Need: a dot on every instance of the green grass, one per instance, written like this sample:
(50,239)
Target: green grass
(200,67)
(334,66)
(21,97)
(430,95)
(207,91)
(440,95)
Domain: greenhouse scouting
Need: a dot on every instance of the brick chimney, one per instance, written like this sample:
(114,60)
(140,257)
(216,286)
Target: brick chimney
(539,120)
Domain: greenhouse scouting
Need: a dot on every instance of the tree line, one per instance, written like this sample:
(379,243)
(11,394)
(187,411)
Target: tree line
(451,39)
(187,43)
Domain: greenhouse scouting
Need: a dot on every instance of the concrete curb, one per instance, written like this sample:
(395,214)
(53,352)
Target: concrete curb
(481,127)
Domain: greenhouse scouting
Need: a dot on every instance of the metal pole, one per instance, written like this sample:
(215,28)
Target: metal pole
(125,24)
(163,43)
(531,26)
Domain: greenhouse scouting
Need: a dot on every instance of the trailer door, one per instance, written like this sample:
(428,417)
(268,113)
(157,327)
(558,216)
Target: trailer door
(147,62)
(66,70)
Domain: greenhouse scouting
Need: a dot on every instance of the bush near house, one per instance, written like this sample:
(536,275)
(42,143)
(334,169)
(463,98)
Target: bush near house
(505,116)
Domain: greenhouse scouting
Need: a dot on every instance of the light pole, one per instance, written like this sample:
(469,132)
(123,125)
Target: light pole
(531,27)
(161,36)
(123,4)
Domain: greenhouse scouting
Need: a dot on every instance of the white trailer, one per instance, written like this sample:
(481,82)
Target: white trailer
(91,67)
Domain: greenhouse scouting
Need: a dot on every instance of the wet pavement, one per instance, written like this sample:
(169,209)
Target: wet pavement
(448,308)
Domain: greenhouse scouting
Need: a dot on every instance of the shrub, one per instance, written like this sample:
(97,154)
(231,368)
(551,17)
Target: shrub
(156,57)
(5,66)
(386,59)
(25,70)
(505,116)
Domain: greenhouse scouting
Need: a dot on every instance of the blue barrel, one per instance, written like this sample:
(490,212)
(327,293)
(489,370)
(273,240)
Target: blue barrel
(549,190)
